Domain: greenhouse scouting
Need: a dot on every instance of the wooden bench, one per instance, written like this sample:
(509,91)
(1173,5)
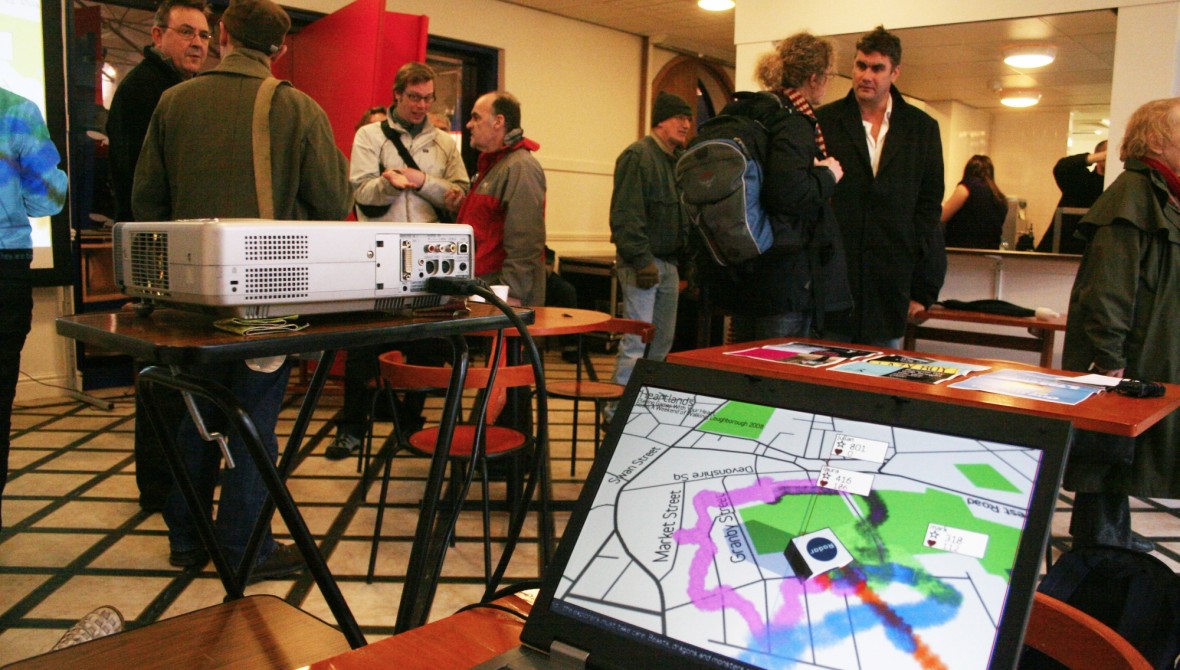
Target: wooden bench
(1041,332)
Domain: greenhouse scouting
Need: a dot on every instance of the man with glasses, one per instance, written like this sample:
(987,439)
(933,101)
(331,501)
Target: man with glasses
(180,43)
(402,169)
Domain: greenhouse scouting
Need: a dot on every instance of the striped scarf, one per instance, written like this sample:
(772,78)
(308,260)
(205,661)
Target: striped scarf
(804,108)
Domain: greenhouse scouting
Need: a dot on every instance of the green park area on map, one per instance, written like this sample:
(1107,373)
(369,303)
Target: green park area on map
(901,535)
(739,419)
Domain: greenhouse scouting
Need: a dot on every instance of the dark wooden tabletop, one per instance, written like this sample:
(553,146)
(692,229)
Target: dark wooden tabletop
(175,337)
(1105,412)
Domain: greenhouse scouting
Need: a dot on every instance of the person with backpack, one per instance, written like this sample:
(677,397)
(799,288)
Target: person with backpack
(649,228)
(787,289)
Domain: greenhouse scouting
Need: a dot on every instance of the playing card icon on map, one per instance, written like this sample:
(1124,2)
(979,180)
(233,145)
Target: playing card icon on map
(847,446)
(836,479)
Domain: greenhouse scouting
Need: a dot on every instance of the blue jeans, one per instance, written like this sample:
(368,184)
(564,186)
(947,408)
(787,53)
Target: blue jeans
(242,490)
(655,305)
(791,324)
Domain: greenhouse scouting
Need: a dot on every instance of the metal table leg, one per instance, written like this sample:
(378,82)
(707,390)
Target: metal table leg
(432,534)
(234,580)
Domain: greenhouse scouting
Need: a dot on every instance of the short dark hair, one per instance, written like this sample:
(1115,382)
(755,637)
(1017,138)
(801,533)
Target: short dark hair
(164,9)
(881,41)
(505,104)
(412,73)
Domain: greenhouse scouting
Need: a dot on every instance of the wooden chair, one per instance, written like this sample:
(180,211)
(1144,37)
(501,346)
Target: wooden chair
(476,440)
(259,631)
(1076,639)
(600,393)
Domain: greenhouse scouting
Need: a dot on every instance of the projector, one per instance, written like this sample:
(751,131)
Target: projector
(254,268)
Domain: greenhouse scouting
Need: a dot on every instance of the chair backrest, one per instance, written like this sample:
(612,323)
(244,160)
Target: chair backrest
(401,375)
(1078,640)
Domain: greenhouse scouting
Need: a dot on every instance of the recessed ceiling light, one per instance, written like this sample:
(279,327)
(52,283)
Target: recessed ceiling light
(715,5)
(1030,55)
(1020,98)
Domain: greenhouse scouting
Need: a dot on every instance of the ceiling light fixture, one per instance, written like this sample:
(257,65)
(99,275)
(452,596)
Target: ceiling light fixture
(1029,56)
(1019,97)
(715,5)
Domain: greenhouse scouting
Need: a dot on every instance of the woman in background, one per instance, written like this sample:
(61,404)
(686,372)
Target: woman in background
(786,291)
(371,115)
(974,213)
(1124,320)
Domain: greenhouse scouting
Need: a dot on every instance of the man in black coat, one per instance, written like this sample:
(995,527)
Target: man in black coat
(889,201)
(180,44)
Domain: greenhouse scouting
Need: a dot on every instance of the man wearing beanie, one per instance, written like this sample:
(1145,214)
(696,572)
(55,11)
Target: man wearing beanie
(190,168)
(649,229)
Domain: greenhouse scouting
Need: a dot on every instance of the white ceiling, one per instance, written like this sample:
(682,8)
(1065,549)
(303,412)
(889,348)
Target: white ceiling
(958,62)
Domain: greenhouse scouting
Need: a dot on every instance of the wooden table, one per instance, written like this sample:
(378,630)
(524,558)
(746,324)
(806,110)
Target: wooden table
(457,642)
(1042,331)
(180,339)
(1104,413)
(249,633)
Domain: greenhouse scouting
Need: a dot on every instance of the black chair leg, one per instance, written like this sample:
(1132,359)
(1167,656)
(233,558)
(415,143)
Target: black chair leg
(386,471)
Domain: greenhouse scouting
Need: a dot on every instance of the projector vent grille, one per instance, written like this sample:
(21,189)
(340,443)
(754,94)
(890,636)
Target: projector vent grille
(276,247)
(276,283)
(149,261)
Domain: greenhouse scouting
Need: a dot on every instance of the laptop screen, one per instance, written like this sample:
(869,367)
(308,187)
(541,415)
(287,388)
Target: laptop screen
(741,522)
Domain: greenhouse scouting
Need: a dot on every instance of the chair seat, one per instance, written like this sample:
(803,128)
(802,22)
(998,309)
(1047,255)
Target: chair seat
(499,440)
(584,389)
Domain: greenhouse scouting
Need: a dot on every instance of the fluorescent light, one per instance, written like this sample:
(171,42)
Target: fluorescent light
(715,5)
(1030,56)
(1020,98)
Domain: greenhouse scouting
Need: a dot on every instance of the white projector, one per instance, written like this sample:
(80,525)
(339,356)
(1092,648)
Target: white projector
(255,268)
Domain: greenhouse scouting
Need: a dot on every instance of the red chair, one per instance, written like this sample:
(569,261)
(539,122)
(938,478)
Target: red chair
(600,393)
(1077,640)
(475,442)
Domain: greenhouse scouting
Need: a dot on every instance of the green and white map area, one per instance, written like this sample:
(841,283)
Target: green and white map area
(903,540)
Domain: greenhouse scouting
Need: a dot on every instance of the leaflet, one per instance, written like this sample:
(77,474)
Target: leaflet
(1029,384)
(924,370)
(802,353)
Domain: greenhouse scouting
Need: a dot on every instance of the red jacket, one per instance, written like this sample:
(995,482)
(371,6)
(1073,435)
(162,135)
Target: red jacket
(506,209)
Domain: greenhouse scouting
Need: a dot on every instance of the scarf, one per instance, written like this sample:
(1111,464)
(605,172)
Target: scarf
(1169,177)
(805,109)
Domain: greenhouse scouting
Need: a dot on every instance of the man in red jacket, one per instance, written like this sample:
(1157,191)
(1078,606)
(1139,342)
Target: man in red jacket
(506,204)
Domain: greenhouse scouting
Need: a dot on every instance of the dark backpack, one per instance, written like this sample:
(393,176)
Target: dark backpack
(720,180)
(1133,593)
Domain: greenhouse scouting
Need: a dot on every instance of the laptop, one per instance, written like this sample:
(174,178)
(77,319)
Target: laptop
(733,521)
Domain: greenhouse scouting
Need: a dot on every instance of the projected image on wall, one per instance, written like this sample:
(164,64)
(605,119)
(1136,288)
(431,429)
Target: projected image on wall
(22,71)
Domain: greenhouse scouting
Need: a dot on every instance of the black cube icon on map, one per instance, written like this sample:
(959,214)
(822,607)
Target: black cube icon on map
(816,553)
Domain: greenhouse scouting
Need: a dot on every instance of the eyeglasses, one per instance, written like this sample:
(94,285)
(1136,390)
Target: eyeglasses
(189,33)
(415,98)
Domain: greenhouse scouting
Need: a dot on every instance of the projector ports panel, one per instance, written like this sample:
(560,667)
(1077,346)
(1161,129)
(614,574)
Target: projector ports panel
(406,261)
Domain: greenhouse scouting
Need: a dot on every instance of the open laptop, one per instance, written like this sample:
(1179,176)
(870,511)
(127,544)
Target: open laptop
(732,521)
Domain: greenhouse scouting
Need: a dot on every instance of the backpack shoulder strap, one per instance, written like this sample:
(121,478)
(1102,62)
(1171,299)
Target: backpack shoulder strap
(261,146)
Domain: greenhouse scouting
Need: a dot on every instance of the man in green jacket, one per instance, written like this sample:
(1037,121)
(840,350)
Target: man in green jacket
(198,162)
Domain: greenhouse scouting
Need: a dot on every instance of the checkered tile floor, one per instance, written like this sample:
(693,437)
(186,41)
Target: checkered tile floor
(77,538)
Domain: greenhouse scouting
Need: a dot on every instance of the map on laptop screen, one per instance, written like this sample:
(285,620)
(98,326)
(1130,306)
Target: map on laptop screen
(784,539)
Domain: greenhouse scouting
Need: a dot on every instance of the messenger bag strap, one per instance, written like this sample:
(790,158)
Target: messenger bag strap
(261,133)
(397,144)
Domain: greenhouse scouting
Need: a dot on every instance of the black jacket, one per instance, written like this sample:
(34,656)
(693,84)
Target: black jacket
(796,196)
(127,123)
(890,222)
